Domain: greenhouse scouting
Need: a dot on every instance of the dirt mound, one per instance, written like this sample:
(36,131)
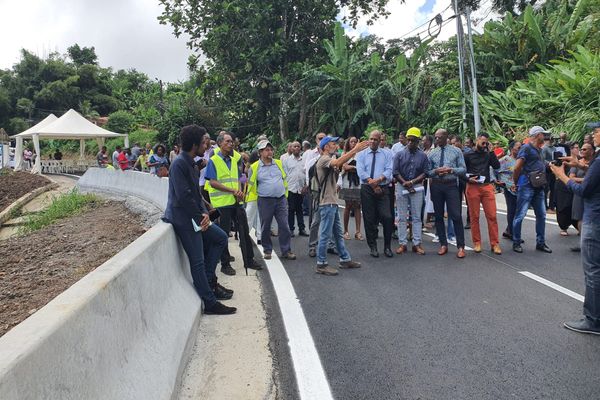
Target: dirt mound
(15,185)
(37,267)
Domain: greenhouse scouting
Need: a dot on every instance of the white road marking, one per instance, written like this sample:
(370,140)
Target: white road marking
(310,375)
(452,243)
(530,216)
(552,285)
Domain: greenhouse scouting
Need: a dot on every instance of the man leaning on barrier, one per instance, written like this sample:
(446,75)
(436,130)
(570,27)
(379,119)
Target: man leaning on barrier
(202,241)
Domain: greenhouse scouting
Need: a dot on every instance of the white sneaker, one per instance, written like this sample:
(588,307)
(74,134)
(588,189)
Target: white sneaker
(436,239)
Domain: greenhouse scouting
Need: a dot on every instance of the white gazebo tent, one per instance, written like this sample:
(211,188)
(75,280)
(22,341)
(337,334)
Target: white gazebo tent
(70,126)
(27,135)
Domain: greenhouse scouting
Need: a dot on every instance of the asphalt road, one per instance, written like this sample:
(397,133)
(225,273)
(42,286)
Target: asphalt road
(431,327)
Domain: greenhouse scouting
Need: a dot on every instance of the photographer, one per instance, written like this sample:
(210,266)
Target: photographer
(480,190)
(589,190)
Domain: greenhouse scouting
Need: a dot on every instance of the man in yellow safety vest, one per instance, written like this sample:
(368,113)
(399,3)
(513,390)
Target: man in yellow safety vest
(223,187)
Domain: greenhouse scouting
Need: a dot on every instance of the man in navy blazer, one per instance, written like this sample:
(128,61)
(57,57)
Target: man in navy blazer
(202,241)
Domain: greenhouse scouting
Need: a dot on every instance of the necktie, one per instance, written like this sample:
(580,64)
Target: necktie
(373,164)
(442,157)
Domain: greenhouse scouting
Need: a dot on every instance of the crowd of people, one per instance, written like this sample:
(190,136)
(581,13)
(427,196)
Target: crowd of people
(393,189)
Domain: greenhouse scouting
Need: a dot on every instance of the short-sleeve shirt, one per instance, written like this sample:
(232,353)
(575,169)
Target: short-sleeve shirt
(533,162)
(328,193)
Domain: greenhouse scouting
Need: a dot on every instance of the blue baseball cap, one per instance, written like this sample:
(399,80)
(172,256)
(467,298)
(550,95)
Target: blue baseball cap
(593,125)
(328,139)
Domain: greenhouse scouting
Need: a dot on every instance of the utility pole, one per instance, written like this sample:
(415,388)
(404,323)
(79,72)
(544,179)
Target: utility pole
(476,117)
(461,72)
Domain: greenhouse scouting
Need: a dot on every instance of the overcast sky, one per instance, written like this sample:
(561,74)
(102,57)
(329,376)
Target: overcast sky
(126,33)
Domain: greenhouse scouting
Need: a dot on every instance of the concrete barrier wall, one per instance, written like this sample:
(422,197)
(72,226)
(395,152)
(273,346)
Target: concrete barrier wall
(122,332)
(139,184)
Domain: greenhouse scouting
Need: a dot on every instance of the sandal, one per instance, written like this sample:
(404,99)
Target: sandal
(564,233)
(358,236)
(346,236)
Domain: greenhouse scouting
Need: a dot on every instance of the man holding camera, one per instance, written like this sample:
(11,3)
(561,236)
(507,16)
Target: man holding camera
(480,190)
(530,177)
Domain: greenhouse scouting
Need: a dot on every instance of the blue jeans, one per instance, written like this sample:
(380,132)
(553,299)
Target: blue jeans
(527,195)
(330,228)
(204,250)
(590,257)
(404,203)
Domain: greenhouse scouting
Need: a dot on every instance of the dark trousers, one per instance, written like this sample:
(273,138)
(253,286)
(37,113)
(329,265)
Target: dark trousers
(295,201)
(269,207)
(590,257)
(228,214)
(447,194)
(549,191)
(203,250)
(511,208)
(376,209)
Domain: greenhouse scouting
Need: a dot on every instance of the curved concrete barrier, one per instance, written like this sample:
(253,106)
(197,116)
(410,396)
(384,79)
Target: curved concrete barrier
(138,184)
(122,332)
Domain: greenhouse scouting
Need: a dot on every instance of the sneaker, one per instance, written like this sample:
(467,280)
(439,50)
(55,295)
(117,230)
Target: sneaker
(221,294)
(584,325)
(312,252)
(326,270)
(227,270)
(267,256)
(224,288)
(436,239)
(349,264)
(255,265)
(289,256)
(517,248)
(452,241)
(544,248)
(219,309)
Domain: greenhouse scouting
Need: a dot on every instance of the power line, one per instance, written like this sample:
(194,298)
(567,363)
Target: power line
(428,22)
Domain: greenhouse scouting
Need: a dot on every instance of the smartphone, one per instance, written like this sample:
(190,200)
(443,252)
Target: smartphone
(556,158)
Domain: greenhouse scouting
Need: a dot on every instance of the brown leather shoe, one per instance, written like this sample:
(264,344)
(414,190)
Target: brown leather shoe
(461,253)
(418,249)
(443,250)
(496,249)
(401,249)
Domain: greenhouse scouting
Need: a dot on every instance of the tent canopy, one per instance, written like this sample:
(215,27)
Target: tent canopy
(43,123)
(70,126)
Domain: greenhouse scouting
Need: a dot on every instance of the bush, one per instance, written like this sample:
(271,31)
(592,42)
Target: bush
(141,136)
(121,122)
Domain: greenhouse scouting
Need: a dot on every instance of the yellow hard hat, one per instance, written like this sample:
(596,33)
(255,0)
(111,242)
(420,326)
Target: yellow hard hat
(414,132)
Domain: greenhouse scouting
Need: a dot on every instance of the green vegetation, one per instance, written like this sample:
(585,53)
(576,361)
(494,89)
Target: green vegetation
(63,206)
(293,72)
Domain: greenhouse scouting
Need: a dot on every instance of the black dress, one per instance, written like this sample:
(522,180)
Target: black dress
(564,203)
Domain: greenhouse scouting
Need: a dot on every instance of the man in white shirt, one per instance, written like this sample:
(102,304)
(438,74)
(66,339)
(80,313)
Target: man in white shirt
(288,152)
(401,144)
(296,178)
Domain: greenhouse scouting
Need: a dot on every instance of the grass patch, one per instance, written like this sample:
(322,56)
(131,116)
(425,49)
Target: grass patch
(63,206)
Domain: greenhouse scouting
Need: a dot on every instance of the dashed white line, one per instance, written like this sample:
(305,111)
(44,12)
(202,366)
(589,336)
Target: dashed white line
(310,375)
(552,285)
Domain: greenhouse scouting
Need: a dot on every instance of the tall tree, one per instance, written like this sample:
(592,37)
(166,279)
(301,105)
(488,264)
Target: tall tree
(255,47)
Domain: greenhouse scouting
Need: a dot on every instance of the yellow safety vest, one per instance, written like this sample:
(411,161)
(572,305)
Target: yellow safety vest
(252,194)
(225,176)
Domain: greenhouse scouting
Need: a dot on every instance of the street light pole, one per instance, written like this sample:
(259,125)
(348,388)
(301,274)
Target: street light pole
(461,72)
(476,118)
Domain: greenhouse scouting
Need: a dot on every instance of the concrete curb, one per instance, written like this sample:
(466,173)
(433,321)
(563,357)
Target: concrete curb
(124,331)
(6,213)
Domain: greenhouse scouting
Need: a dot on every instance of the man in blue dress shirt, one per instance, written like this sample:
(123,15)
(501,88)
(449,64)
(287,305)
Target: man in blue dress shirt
(374,168)
(446,164)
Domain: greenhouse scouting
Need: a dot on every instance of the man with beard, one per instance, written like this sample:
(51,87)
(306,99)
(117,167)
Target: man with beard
(202,241)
